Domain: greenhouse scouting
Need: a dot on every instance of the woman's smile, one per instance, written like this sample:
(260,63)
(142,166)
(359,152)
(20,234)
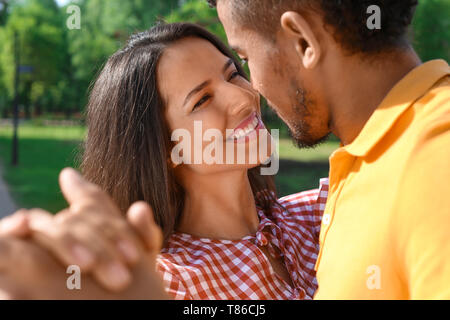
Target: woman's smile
(244,131)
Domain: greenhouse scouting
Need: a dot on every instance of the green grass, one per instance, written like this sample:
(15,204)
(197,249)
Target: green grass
(301,169)
(44,151)
(295,176)
(321,153)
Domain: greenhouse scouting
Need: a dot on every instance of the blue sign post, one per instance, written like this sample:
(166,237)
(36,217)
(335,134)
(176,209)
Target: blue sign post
(26,69)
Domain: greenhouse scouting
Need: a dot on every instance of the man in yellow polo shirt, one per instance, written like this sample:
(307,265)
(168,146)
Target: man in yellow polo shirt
(324,68)
(386,227)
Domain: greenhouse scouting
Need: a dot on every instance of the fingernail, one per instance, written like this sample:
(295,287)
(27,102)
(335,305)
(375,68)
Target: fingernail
(118,274)
(82,255)
(72,174)
(128,250)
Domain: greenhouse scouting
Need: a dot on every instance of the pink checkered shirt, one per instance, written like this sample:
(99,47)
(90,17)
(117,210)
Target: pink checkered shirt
(201,269)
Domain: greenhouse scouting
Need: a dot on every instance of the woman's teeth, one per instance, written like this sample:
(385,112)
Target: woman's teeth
(243,132)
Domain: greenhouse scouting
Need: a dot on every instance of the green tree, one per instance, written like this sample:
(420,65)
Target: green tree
(4,101)
(105,25)
(431,32)
(4,6)
(38,24)
(198,11)
(66,61)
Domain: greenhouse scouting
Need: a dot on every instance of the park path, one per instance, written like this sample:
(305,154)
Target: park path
(7,205)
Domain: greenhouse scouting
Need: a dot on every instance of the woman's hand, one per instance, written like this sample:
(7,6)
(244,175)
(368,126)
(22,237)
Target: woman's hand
(91,233)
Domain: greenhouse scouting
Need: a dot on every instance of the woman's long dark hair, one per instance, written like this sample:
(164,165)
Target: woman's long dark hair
(128,143)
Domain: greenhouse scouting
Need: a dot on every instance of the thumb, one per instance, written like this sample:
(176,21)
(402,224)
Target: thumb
(140,216)
(73,186)
(77,190)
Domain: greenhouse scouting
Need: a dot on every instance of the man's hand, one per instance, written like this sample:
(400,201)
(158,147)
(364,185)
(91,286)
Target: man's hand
(91,233)
(28,271)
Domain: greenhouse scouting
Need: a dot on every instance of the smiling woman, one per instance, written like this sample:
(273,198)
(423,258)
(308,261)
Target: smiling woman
(151,79)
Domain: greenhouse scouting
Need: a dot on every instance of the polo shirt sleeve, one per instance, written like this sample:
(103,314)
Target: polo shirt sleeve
(423,213)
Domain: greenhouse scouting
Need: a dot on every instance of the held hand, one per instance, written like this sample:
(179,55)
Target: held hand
(28,271)
(91,233)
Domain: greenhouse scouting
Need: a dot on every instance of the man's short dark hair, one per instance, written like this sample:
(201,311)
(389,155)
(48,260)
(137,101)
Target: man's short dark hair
(347,19)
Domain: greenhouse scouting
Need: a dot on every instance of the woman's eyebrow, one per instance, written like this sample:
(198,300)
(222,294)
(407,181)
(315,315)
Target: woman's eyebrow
(206,83)
(227,65)
(195,90)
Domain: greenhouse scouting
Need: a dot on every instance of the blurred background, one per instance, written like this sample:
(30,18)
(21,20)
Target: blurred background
(56,64)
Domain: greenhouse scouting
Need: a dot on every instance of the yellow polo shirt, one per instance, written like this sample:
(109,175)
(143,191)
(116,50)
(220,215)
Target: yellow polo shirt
(386,226)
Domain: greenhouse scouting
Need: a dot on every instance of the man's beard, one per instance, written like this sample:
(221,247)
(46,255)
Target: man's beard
(300,128)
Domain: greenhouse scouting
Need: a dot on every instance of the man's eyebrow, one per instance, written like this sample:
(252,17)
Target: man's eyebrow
(236,49)
(204,84)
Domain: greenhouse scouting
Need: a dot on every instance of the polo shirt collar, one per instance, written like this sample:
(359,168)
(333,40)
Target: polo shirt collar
(413,86)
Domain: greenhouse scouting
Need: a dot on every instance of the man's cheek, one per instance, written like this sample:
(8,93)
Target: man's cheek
(275,108)
(267,83)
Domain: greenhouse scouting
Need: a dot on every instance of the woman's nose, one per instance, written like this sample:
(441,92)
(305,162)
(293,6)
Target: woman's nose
(239,101)
(241,110)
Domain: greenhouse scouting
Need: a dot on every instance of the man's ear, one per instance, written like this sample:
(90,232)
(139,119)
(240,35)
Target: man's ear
(306,42)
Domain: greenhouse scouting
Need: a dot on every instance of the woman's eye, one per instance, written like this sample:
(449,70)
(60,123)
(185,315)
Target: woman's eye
(234,75)
(202,101)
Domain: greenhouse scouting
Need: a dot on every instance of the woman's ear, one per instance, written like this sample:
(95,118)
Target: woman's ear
(306,43)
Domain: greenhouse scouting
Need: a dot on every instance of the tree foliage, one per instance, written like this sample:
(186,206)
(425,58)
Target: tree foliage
(198,11)
(431,32)
(105,25)
(40,38)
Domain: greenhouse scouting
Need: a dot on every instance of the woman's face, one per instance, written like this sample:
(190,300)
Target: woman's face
(202,90)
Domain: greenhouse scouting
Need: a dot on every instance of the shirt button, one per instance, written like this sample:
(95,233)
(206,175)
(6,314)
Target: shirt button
(326,219)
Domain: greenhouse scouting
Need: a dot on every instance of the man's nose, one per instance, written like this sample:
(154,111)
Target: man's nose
(255,85)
